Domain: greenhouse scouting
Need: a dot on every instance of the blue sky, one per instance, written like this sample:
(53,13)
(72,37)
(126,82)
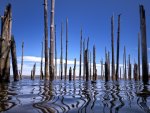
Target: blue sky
(92,15)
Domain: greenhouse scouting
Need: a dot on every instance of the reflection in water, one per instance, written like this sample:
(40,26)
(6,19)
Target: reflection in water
(74,97)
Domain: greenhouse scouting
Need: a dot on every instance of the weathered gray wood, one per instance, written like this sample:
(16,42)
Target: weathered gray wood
(46,39)
(118,47)
(102,69)
(14,59)
(144,45)
(61,56)
(112,47)
(135,72)
(124,62)
(94,63)
(52,37)
(34,70)
(41,70)
(129,68)
(5,43)
(22,60)
(139,71)
(55,54)
(80,56)
(70,74)
(86,64)
(83,59)
(74,70)
(66,48)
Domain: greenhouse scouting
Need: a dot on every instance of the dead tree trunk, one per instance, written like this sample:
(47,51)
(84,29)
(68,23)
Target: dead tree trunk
(41,71)
(94,63)
(55,54)
(83,59)
(70,74)
(52,29)
(144,45)
(120,73)
(86,64)
(108,65)
(90,67)
(6,24)
(80,56)
(102,69)
(61,56)
(74,70)
(66,48)
(22,60)
(129,69)
(46,39)
(139,71)
(34,69)
(118,46)
(124,62)
(31,74)
(14,59)
(112,47)
(135,72)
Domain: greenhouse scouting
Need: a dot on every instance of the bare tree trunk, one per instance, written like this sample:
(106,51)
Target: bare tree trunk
(144,45)
(46,39)
(112,47)
(86,64)
(118,46)
(139,56)
(83,59)
(94,63)
(74,70)
(129,69)
(80,56)
(52,29)
(14,59)
(90,67)
(120,73)
(55,54)
(5,44)
(124,60)
(66,48)
(135,71)
(41,71)
(70,74)
(61,56)
(102,69)
(22,60)
(108,65)
(34,69)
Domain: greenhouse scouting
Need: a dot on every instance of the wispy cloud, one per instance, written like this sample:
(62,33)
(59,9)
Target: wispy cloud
(148,49)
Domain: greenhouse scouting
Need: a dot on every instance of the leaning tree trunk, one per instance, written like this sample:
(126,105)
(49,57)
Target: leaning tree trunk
(66,48)
(46,39)
(14,59)
(112,47)
(41,71)
(80,56)
(55,54)
(139,71)
(52,34)
(118,46)
(6,25)
(61,56)
(144,45)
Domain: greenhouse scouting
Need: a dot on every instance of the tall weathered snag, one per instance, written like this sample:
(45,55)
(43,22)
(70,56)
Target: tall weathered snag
(112,48)
(46,39)
(86,64)
(118,47)
(80,55)
(83,59)
(143,44)
(74,70)
(129,68)
(6,24)
(94,63)
(55,54)
(14,59)
(124,64)
(41,70)
(66,48)
(22,60)
(52,34)
(70,74)
(61,55)
(139,71)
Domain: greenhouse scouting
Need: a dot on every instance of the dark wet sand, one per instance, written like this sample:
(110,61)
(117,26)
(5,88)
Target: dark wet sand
(27,96)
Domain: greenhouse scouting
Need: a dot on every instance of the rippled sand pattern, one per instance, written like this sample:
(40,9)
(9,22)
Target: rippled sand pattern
(37,96)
